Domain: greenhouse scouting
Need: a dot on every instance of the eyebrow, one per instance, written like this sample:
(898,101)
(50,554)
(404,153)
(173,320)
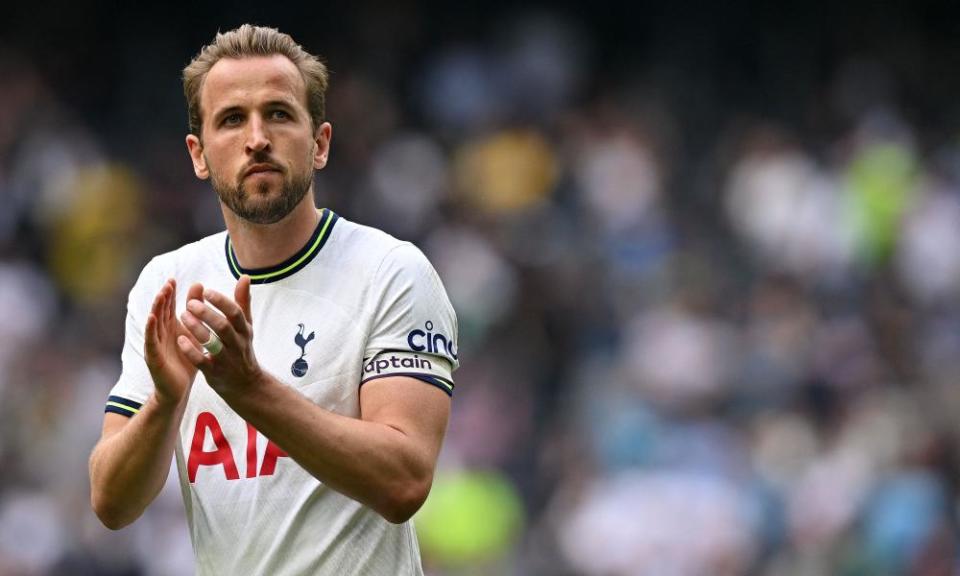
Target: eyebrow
(283,103)
(236,108)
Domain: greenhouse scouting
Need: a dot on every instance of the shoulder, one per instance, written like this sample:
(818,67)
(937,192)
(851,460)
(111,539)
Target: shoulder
(183,262)
(372,249)
(206,252)
(365,241)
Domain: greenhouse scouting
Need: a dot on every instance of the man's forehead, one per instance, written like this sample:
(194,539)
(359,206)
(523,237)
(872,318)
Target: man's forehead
(232,78)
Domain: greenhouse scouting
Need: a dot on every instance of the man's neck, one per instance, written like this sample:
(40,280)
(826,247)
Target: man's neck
(265,245)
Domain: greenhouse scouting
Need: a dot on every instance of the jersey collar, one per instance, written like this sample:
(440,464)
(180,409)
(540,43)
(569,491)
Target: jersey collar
(292,264)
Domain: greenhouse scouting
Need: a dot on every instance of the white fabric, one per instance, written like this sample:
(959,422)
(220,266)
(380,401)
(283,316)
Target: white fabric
(361,297)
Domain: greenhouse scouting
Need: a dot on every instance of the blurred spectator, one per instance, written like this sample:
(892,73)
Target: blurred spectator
(664,523)
(929,255)
(679,359)
(506,172)
(787,209)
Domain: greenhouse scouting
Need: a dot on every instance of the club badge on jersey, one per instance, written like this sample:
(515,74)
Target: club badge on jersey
(300,366)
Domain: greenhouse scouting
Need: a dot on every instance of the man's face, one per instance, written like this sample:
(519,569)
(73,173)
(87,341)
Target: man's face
(259,148)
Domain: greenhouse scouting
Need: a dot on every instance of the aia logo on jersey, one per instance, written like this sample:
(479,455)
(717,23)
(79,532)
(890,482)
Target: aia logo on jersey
(300,365)
(435,343)
(208,431)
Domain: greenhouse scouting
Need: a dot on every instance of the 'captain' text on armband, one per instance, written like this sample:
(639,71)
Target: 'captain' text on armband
(381,363)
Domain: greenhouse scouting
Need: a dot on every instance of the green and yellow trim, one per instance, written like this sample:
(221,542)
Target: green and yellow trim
(122,406)
(291,265)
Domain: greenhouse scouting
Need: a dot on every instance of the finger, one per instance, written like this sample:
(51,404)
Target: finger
(195,292)
(182,331)
(158,310)
(163,318)
(209,316)
(192,353)
(230,310)
(172,303)
(242,295)
(151,340)
(194,325)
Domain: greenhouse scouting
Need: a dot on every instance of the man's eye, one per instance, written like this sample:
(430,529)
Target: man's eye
(232,119)
(280,115)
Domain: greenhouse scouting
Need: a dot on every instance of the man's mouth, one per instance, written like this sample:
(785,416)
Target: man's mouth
(261,168)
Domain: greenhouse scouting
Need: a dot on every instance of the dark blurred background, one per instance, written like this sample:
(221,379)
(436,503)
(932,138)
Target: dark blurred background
(705,258)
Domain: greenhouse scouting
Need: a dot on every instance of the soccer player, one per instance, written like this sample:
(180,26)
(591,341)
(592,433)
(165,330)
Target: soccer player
(303,379)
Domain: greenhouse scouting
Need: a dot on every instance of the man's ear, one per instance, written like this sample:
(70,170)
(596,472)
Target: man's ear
(322,138)
(195,148)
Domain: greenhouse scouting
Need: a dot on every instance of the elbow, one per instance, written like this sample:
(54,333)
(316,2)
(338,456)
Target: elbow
(400,512)
(109,514)
(404,502)
(112,523)
(109,520)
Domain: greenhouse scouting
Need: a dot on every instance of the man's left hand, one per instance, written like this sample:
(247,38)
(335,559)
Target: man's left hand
(234,368)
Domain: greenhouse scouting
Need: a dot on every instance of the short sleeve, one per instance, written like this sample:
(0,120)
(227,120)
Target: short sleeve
(413,329)
(135,384)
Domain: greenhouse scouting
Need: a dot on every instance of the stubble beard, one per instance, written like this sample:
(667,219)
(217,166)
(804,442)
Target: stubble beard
(253,206)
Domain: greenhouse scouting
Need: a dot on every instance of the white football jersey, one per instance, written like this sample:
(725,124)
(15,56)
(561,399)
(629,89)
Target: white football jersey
(353,305)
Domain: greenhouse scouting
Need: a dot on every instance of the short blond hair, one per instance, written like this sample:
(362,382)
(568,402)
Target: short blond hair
(247,41)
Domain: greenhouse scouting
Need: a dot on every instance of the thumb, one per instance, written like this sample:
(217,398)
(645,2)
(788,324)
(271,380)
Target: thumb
(242,296)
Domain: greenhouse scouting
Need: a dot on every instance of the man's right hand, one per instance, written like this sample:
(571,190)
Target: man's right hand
(131,462)
(172,373)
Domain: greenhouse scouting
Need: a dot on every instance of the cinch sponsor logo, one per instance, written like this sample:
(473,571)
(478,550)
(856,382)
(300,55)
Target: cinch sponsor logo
(420,340)
(378,366)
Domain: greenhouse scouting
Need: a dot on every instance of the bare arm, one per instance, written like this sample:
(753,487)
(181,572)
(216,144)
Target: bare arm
(130,463)
(384,460)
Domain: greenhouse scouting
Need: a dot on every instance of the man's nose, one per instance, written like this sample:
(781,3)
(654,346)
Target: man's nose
(258,139)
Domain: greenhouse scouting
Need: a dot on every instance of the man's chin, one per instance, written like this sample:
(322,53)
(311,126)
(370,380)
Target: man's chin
(261,218)
(262,200)
(260,188)
(263,209)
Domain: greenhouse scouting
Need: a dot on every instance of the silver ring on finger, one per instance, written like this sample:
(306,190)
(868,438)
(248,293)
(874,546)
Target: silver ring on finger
(213,345)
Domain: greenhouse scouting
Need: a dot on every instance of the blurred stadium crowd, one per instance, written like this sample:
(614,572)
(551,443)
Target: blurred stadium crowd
(708,310)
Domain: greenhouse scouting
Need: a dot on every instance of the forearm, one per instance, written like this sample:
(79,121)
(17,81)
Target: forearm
(129,467)
(374,463)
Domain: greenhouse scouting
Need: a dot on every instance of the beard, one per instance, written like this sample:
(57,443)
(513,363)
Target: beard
(251,203)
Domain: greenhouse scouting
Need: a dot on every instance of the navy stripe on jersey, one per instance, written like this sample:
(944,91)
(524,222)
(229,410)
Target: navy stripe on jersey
(123,406)
(441,383)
